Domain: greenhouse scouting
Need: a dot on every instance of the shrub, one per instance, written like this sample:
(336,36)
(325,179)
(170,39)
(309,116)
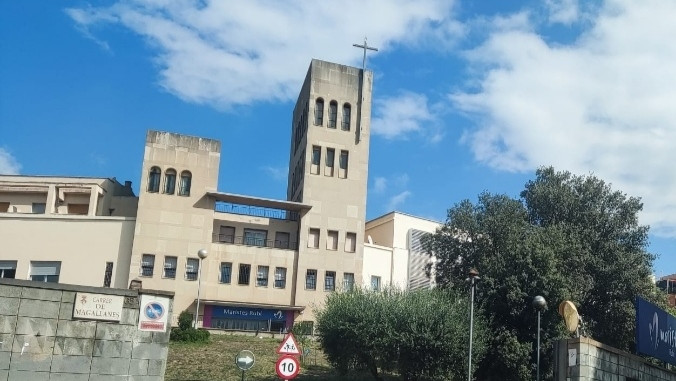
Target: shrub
(186,333)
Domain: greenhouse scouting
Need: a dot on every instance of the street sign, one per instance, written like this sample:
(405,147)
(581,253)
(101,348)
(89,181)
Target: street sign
(245,360)
(289,346)
(287,367)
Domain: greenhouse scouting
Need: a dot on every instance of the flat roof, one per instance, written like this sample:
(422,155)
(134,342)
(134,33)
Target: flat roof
(392,213)
(258,201)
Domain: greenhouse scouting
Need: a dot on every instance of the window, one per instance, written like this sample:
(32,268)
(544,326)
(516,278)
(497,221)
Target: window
(342,173)
(8,269)
(192,267)
(169,181)
(348,281)
(350,242)
(313,238)
(280,277)
(147,264)
(170,266)
(330,155)
(375,283)
(226,234)
(4,207)
(226,272)
(262,276)
(316,159)
(154,179)
(38,208)
(78,209)
(244,273)
(186,179)
(330,281)
(255,237)
(282,240)
(332,240)
(108,275)
(45,271)
(333,114)
(311,280)
(319,112)
(347,111)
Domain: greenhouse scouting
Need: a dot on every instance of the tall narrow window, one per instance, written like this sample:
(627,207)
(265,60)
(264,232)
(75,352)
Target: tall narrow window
(330,157)
(154,179)
(45,271)
(169,181)
(333,114)
(316,159)
(244,274)
(330,281)
(170,265)
(350,242)
(347,111)
(226,272)
(147,264)
(282,240)
(344,157)
(8,269)
(319,112)
(280,277)
(186,180)
(348,281)
(192,268)
(311,280)
(262,276)
(375,283)
(108,275)
(332,240)
(313,238)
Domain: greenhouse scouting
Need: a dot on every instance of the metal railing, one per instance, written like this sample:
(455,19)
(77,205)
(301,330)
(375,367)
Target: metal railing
(254,241)
(255,211)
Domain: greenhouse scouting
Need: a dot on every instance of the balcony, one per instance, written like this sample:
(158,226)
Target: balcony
(254,241)
(255,211)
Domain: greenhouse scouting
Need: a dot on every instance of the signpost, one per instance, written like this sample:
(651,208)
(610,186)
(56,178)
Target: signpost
(289,346)
(287,367)
(245,360)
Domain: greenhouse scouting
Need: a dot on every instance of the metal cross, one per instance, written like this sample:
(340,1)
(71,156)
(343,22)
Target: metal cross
(365,47)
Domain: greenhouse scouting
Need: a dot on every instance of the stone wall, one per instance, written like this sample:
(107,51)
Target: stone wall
(40,340)
(583,359)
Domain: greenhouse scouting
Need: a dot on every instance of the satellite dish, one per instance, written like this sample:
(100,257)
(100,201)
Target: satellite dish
(570,316)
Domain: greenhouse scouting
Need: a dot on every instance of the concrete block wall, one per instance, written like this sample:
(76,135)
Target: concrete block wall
(40,340)
(584,359)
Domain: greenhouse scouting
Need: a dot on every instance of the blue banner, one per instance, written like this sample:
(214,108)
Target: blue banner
(655,331)
(244,313)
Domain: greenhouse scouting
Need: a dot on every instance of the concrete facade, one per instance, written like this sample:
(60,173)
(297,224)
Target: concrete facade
(40,339)
(583,359)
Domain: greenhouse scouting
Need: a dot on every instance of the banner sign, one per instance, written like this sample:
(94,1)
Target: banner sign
(154,313)
(248,313)
(98,306)
(655,332)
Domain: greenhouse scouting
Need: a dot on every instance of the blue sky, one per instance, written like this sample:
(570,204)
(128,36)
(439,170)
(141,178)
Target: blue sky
(468,95)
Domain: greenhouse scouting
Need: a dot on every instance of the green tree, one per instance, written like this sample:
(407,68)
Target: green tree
(422,335)
(568,237)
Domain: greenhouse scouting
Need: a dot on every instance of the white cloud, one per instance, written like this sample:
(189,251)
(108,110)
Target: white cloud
(379,184)
(398,199)
(8,164)
(399,116)
(563,11)
(276,173)
(602,104)
(215,53)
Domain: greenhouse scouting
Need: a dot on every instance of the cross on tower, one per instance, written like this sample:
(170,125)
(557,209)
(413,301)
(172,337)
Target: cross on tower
(365,47)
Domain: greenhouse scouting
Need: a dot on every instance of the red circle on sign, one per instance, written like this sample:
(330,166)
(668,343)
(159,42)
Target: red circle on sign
(287,367)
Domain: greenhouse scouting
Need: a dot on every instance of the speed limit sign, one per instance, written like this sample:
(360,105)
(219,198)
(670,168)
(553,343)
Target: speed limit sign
(287,367)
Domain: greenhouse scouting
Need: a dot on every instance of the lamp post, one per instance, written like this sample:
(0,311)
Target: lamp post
(202,253)
(540,304)
(473,277)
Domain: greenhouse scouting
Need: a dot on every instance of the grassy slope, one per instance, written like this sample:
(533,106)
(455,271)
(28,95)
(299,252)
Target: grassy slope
(215,361)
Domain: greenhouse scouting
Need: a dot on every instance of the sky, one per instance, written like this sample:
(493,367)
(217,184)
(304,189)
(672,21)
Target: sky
(468,96)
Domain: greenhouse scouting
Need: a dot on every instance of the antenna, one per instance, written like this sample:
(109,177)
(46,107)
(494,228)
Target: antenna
(570,315)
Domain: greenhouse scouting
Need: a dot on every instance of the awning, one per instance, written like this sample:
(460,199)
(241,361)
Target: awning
(251,305)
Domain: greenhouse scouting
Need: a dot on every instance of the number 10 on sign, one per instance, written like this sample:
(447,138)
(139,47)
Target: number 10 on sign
(287,367)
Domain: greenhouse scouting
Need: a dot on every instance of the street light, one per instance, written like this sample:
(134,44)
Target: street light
(473,277)
(202,253)
(540,304)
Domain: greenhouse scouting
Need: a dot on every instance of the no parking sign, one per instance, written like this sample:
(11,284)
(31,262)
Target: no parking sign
(154,313)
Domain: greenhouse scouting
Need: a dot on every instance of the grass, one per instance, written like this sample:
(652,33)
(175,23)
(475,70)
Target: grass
(215,361)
